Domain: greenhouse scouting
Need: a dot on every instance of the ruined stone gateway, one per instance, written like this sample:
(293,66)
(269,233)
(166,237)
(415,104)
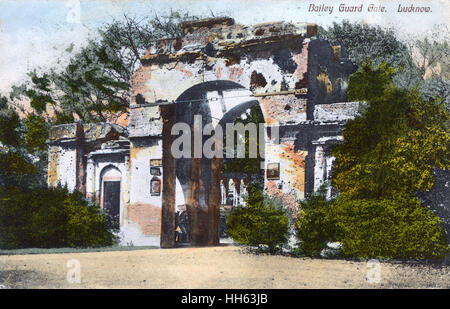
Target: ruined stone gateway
(217,69)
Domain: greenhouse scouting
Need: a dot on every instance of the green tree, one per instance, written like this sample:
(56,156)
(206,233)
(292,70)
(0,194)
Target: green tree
(395,144)
(247,165)
(388,155)
(365,42)
(50,218)
(36,133)
(18,166)
(96,83)
(94,86)
(10,124)
(414,59)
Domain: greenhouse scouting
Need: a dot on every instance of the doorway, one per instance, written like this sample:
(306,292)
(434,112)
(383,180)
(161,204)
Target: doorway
(111,204)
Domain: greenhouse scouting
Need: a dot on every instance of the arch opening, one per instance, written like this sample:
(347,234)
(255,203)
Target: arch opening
(197,180)
(110,200)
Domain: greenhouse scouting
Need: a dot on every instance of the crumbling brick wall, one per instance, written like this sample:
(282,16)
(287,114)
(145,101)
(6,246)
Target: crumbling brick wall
(298,81)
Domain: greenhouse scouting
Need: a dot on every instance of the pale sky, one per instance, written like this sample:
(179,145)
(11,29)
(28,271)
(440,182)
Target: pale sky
(34,33)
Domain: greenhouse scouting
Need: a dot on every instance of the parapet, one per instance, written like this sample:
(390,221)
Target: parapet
(86,132)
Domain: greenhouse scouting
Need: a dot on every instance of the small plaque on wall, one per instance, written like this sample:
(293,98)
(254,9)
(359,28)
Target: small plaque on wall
(155,162)
(273,171)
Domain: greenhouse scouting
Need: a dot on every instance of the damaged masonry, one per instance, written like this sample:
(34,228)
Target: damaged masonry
(217,69)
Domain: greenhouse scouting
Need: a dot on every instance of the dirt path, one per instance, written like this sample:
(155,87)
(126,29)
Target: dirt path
(217,267)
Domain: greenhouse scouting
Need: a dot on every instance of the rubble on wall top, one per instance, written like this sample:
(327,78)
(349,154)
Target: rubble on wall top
(190,26)
(88,131)
(221,36)
(95,131)
(63,132)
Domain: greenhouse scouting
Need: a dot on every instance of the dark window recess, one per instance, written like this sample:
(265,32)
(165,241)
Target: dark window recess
(155,186)
(111,204)
(156,171)
(230,197)
(140,99)
(273,171)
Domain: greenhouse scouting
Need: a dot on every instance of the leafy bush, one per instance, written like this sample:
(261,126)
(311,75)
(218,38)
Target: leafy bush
(371,228)
(49,218)
(389,228)
(260,222)
(388,155)
(315,224)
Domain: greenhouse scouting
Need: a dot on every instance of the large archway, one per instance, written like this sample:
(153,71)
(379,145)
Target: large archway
(194,186)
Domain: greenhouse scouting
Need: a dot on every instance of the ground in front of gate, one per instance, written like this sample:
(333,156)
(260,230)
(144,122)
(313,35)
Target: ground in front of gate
(225,266)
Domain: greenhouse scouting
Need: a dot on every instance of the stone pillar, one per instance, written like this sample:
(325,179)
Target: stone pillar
(80,164)
(203,201)
(226,188)
(214,202)
(126,191)
(168,187)
(197,215)
(222,192)
(319,167)
(90,179)
(329,166)
(237,189)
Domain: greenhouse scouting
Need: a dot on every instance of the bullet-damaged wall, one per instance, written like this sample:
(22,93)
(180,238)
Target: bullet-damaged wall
(221,69)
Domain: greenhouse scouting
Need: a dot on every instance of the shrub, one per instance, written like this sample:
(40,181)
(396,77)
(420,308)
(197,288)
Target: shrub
(389,153)
(370,228)
(49,218)
(315,224)
(86,225)
(394,228)
(260,222)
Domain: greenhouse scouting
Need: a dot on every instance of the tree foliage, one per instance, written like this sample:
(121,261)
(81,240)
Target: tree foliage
(261,222)
(365,42)
(396,227)
(21,147)
(49,218)
(422,63)
(36,134)
(315,225)
(246,165)
(395,144)
(389,153)
(95,85)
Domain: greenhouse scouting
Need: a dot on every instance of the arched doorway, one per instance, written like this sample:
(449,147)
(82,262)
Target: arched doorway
(205,109)
(111,196)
